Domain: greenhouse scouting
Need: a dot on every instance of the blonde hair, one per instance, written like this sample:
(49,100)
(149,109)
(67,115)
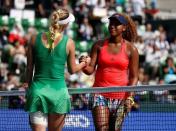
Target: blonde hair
(54,27)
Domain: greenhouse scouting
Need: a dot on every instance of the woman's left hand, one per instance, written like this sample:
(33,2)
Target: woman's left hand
(88,60)
(129,103)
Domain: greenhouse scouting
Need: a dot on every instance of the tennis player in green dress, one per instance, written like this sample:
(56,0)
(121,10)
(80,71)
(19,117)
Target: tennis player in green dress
(48,100)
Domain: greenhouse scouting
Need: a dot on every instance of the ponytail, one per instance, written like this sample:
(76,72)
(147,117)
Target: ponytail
(55,28)
(130,33)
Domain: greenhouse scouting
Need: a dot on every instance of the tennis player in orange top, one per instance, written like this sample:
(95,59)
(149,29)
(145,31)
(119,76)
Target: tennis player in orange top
(115,60)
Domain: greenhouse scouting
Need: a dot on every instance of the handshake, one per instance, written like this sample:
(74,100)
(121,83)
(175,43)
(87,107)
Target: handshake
(85,59)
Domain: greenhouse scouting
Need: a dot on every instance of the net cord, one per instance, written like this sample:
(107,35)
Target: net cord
(103,89)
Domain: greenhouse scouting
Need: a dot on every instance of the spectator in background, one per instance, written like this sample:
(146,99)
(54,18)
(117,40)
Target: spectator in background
(115,61)
(160,31)
(156,50)
(3,74)
(152,60)
(42,8)
(143,78)
(148,36)
(169,70)
(99,3)
(154,4)
(6,5)
(173,47)
(140,29)
(170,77)
(86,30)
(138,10)
(4,33)
(19,4)
(140,45)
(19,58)
(12,81)
(17,34)
(81,11)
(162,45)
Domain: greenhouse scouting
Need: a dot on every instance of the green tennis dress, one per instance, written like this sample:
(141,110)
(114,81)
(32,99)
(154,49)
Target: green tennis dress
(48,92)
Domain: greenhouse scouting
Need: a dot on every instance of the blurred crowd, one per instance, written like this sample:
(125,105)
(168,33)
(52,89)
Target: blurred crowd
(157,53)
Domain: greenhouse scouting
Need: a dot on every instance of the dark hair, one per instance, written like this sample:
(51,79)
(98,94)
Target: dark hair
(130,33)
(169,58)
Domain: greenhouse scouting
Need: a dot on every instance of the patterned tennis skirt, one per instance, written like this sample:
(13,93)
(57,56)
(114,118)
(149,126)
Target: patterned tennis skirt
(116,106)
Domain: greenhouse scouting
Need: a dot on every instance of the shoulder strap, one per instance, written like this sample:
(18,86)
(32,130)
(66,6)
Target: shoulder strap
(101,43)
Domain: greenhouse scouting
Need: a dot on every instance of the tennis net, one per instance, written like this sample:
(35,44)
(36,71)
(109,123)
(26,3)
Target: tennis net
(154,109)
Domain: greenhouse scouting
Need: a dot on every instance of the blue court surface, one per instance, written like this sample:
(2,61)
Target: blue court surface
(17,120)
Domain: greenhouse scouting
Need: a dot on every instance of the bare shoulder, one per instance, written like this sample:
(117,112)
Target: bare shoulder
(98,44)
(131,47)
(70,43)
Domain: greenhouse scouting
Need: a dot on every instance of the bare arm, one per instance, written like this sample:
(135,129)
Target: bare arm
(41,9)
(94,55)
(166,70)
(30,60)
(72,66)
(133,66)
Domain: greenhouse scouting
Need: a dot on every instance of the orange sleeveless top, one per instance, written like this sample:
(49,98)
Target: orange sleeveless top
(112,70)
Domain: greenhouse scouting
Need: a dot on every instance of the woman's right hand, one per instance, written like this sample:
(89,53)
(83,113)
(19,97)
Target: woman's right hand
(88,60)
